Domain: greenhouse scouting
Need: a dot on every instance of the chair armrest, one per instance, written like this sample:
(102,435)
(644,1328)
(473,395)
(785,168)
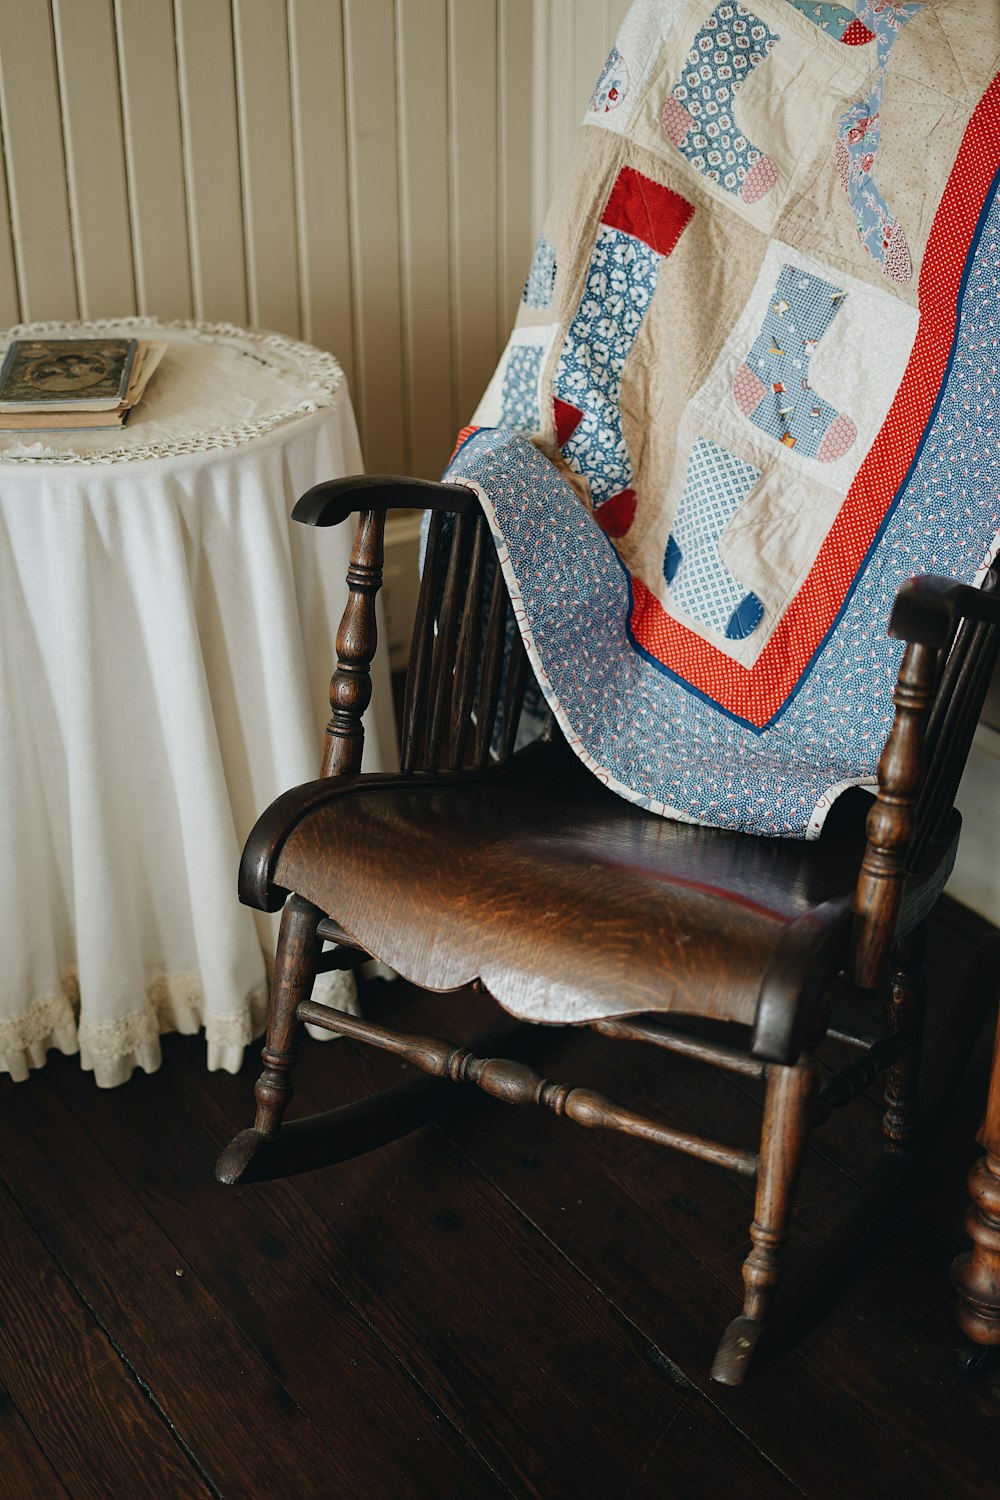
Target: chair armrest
(929,614)
(330,503)
(928,608)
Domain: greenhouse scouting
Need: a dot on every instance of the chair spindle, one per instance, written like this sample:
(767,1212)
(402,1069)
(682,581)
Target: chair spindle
(892,819)
(492,668)
(513,698)
(357,637)
(442,666)
(416,696)
(468,650)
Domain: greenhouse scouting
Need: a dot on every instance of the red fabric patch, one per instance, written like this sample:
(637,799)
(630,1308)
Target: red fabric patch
(567,419)
(653,213)
(857,35)
(616,515)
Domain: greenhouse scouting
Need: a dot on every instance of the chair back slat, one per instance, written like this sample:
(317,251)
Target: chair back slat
(417,694)
(513,698)
(962,689)
(443,663)
(491,671)
(468,668)
(947,761)
(467,658)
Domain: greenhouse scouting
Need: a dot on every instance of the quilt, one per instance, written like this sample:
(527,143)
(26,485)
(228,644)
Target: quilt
(752,388)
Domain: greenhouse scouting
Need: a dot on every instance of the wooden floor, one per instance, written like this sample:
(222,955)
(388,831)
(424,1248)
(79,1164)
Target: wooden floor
(502,1304)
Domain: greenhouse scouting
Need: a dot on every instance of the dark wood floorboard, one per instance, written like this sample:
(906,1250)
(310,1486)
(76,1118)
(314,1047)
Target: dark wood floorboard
(501,1304)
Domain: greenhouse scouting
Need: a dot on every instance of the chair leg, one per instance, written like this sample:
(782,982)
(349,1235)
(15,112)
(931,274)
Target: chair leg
(976,1274)
(905,1009)
(295,961)
(788,1113)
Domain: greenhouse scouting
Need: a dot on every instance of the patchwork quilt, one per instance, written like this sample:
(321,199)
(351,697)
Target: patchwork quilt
(761,325)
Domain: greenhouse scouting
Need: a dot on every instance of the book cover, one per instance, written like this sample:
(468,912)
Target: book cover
(63,373)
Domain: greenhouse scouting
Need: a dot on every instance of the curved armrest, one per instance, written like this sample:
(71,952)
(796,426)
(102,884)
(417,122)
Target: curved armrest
(331,502)
(927,608)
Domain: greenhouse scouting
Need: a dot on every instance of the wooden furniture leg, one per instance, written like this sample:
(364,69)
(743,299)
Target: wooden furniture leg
(905,1010)
(295,959)
(976,1274)
(295,962)
(788,1114)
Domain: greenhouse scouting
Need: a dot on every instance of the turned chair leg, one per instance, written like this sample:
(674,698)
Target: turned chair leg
(248,1155)
(905,1010)
(788,1114)
(295,960)
(976,1275)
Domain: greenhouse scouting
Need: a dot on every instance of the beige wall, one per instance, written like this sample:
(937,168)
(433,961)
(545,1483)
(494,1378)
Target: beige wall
(365,174)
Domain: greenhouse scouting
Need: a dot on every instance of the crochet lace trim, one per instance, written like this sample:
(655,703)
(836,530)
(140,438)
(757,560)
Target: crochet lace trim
(174,1002)
(317,371)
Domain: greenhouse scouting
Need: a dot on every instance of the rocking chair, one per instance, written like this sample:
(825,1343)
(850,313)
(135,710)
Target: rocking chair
(476,865)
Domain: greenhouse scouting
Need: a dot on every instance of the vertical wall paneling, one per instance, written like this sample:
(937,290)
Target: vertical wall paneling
(616,15)
(572,41)
(561,72)
(370,70)
(590,34)
(319,121)
(207,82)
(265,121)
(516,103)
(29,101)
(147,66)
(541,122)
(422,49)
(473,88)
(95,157)
(10,306)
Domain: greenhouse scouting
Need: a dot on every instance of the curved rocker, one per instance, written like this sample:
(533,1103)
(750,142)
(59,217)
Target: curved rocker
(336,1135)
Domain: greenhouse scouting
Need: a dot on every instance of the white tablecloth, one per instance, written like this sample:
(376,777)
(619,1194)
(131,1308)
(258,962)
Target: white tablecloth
(166,640)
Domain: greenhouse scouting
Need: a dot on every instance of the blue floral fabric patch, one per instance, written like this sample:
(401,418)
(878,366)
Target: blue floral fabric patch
(859,136)
(541,280)
(621,279)
(828,17)
(520,410)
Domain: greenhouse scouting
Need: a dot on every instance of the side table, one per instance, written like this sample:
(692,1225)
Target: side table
(166,641)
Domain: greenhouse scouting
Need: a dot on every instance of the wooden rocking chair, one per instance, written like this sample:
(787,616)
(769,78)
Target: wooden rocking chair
(476,865)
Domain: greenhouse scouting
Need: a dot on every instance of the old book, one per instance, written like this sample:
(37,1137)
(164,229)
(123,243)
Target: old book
(82,416)
(62,374)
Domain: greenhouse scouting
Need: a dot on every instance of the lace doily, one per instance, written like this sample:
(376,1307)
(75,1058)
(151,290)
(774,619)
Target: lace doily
(273,377)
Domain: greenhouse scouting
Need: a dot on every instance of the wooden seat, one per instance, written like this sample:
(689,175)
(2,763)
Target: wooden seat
(441,878)
(521,873)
